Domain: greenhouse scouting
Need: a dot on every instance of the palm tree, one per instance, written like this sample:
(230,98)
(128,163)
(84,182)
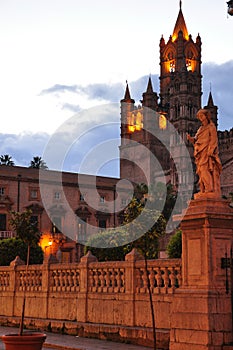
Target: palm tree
(38,163)
(6,160)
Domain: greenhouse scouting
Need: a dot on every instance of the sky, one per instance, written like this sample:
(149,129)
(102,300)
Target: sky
(59,57)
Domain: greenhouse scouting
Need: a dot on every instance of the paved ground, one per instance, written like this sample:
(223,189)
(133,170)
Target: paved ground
(69,342)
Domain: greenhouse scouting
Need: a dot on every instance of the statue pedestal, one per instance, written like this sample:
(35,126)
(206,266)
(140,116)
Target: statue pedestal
(201,311)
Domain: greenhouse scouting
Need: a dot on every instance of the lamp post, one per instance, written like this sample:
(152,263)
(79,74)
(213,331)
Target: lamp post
(48,246)
(18,192)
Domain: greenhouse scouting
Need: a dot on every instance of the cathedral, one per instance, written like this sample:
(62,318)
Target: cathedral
(175,109)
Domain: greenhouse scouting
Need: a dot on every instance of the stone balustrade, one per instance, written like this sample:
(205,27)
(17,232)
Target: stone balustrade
(113,294)
(103,277)
(64,279)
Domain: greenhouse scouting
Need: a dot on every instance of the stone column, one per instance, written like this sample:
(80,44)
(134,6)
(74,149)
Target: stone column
(201,310)
(82,302)
(44,295)
(130,283)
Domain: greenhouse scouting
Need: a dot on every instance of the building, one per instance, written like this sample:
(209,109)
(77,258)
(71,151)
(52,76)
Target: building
(58,210)
(153,136)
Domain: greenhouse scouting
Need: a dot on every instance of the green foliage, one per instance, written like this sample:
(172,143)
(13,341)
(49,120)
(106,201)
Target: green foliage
(142,236)
(25,229)
(164,198)
(11,247)
(108,238)
(174,247)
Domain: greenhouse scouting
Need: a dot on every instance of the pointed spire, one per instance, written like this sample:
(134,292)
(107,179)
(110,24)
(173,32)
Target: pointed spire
(127,96)
(180,4)
(149,86)
(180,26)
(127,93)
(210,100)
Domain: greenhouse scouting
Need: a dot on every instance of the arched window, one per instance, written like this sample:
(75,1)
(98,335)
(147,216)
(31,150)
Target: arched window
(162,122)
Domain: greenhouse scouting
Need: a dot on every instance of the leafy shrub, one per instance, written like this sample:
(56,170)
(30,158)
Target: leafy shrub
(11,247)
(174,247)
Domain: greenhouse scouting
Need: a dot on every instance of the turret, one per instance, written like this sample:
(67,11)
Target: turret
(127,106)
(213,109)
(150,98)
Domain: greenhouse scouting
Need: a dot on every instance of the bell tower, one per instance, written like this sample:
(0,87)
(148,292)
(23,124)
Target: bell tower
(180,77)
(181,91)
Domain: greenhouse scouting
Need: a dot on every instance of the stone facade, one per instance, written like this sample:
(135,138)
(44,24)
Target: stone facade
(63,213)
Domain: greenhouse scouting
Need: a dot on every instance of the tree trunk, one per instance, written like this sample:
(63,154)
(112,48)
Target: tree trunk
(24,295)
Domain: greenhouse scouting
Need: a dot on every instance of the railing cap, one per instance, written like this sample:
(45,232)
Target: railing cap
(89,257)
(17,262)
(51,259)
(134,255)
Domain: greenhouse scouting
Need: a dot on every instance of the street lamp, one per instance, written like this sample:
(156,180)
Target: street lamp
(18,192)
(48,246)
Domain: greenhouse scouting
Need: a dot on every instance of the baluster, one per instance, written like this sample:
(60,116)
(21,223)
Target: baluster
(173,278)
(25,277)
(31,276)
(69,280)
(178,277)
(101,280)
(114,273)
(144,281)
(122,271)
(57,280)
(107,280)
(91,280)
(96,280)
(152,279)
(65,280)
(159,279)
(111,281)
(73,281)
(166,279)
(40,280)
(77,279)
(61,279)
(118,280)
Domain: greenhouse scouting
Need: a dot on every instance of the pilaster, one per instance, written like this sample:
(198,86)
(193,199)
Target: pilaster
(201,312)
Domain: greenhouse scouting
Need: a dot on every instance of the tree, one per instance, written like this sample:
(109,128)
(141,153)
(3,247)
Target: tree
(38,163)
(28,232)
(142,227)
(147,244)
(164,197)
(6,160)
(11,247)
(112,239)
(132,234)
(174,247)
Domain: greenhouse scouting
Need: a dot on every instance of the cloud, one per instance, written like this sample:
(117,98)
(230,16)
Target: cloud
(58,88)
(23,147)
(219,78)
(93,94)
(71,107)
(81,133)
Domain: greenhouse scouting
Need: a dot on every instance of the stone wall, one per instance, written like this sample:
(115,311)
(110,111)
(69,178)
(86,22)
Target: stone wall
(91,298)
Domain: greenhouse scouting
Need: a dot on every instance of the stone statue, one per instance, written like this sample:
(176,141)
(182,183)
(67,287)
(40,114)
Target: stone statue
(208,164)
